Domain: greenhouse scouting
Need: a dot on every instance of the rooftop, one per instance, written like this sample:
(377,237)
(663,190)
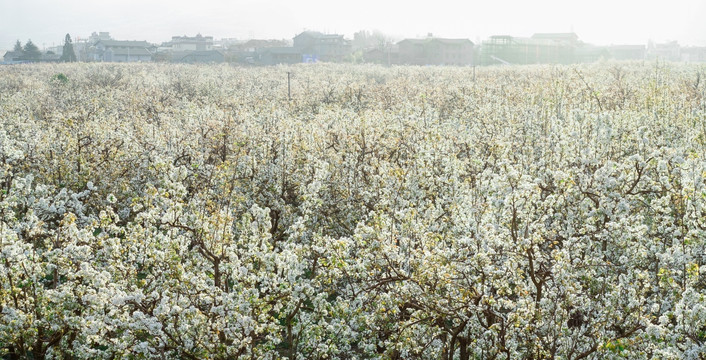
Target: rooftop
(123,43)
(570,36)
(440,40)
(281,50)
(130,51)
(198,37)
(320,35)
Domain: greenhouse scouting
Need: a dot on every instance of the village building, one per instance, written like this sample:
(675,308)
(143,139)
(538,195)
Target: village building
(12,57)
(122,51)
(693,54)
(385,55)
(545,48)
(627,52)
(98,36)
(316,46)
(190,43)
(198,57)
(278,55)
(435,51)
(668,51)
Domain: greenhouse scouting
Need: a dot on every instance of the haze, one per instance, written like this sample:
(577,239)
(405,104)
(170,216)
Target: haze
(602,22)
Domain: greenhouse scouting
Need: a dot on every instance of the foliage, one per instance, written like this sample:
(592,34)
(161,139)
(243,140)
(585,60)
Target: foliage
(172,211)
(60,78)
(68,54)
(18,47)
(31,51)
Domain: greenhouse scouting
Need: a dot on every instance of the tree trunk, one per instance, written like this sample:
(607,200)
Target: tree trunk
(463,348)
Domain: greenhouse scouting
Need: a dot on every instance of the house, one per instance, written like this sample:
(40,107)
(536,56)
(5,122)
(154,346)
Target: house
(83,49)
(98,36)
(12,57)
(627,52)
(50,57)
(250,51)
(366,40)
(386,55)
(122,51)
(669,51)
(435,51)
(693,54)
(539,49)
(254,45)
(315,46)
(587,53)
(226,43)
(127,54)
(201,57)
(278,55)
(567,39)
(7,57)
(16,57)
(187,43)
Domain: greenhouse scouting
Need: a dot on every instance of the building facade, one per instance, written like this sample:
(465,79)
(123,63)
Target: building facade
(693,54)
(627,52)
(278,55)
(315,46)
(199,57)
(435,51)
(557,48)
(122,51)
(189,43)
(669,51)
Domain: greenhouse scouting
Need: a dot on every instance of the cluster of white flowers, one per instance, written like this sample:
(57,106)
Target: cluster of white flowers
(168,211)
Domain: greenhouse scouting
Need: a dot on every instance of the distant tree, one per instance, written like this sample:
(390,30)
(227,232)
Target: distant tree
(68,55)
(370,40)
(18,47)
(31,51)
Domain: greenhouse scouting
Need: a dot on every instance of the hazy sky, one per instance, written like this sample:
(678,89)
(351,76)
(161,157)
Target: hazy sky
(595,21)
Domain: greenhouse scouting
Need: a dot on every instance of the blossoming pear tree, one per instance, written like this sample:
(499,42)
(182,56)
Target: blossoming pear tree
(191,212)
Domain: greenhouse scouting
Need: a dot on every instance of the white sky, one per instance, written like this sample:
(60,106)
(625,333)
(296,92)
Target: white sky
(600,22)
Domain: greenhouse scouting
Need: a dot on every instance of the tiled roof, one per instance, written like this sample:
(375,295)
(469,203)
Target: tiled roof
(130,51)
(320,35)
(122,43)
(440,40)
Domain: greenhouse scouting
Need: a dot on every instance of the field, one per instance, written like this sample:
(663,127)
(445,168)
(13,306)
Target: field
(199,212)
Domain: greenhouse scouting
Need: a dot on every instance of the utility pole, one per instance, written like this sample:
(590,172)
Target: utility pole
(389,51)
(289,85)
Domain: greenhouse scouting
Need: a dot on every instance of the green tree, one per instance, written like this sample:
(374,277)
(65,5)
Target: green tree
(18,47)
(31,51)
(68,54)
